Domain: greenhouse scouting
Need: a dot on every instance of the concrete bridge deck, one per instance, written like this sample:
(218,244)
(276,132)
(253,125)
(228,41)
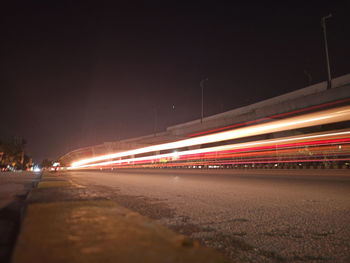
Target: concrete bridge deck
(310,96)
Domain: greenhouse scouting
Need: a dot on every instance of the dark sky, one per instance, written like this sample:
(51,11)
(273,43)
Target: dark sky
(78,73)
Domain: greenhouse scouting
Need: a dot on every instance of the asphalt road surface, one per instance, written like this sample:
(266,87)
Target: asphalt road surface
(250,215)
(14,185)
(14,188)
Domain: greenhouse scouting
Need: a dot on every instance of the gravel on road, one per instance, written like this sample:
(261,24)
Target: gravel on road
(257,216)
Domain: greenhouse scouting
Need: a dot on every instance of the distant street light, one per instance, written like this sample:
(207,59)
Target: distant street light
(155,120)
(202,83)
(323,23)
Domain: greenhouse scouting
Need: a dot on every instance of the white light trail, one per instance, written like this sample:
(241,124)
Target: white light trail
(306,120)
(220,148)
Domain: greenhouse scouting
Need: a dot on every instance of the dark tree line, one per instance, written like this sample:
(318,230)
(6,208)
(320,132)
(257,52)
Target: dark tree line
(46,163)
(13,154)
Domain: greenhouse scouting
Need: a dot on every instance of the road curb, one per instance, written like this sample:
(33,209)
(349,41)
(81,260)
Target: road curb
(97,231)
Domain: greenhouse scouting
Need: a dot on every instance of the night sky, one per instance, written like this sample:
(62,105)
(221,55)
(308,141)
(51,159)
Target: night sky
(79,73)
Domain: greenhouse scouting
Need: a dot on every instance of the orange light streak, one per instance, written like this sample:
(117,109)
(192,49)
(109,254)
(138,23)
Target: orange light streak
(307,120)
(217,149)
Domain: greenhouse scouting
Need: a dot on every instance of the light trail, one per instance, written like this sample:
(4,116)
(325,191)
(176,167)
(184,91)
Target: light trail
(220,149)
(272,117)
(307,120)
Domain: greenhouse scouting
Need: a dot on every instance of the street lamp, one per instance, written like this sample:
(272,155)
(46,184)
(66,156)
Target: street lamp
(202,83)
(155,120)
(323,23)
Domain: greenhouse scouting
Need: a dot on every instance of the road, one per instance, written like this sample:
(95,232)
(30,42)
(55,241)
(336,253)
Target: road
(14,188)
(14,185)
(250,215)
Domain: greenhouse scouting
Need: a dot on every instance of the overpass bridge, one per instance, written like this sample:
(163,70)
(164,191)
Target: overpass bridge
(308,98)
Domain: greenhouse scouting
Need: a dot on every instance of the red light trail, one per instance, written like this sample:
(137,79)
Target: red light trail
(312,119)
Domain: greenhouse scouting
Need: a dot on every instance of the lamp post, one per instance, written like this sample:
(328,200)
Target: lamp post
(323,23)
(202,83)
(155,120)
